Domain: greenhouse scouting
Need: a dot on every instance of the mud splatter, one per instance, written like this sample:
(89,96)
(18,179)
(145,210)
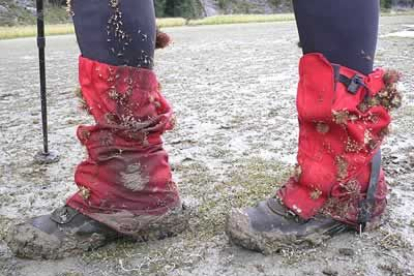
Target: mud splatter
(134,177)
(322,127)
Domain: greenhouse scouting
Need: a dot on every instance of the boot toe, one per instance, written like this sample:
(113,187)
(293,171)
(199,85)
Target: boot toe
(27,241)
(240,232)
(44,238)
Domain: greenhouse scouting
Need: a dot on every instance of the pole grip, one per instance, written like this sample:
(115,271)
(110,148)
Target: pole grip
(41,42)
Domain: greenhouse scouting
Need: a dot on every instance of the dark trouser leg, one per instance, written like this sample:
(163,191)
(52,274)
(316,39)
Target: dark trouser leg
(122,34)
(344,31)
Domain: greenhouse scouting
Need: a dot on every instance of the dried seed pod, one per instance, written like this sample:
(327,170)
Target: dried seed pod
(162,40)
(367,137)
(69,9)
(84,134)
(322,127)
(391,76)
(114,3)
(352,146)
(84,192)
(340,117)
(372,101)
(384,132)
(316,194)
(396,101)
(342,167)
(363,107)
(297,172)
(81,101)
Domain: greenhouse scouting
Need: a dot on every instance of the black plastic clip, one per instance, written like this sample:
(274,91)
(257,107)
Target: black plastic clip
(355,83)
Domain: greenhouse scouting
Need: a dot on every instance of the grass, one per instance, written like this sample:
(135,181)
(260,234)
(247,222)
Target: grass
(60,29)
(29,31)
(242,18)
(171,22)
(246,183)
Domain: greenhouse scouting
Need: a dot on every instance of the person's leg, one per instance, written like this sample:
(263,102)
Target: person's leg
(344,31)
(343,119)
(116,34)
(125,184)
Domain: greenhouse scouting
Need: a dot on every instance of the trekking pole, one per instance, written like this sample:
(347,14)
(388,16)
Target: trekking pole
(44,156)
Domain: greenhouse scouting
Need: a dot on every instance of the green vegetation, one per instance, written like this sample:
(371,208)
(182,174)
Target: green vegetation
(17,15)
(60,29)
(241,18)
(178,8)
(386,4)
(250,181)
(28,31)
(171,22)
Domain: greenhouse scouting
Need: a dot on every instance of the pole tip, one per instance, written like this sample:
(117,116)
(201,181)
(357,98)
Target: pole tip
(47,157)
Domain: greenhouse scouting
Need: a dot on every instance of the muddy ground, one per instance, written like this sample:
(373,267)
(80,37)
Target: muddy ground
(233,89)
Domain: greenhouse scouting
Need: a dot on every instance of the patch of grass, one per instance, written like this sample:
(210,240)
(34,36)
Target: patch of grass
(242,18)
(391,241)
(171,22)
(255,179)
(59,15)
(56,15)
(60,29)
(4,225)
(397,13)
(153,258)
(30,31)
(245,184)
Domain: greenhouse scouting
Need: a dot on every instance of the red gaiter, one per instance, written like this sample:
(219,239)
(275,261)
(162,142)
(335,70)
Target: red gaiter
(126,175)
(339,133)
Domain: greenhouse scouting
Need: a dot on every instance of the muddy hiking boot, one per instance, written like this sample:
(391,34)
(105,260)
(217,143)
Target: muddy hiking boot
(338,183)
(62,233)
(270,227)
(67,232)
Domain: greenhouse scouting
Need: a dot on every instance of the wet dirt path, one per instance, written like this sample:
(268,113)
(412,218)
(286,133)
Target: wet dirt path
(233,90)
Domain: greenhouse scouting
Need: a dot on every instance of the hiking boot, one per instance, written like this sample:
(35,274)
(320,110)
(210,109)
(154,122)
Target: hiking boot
(67,232)
(64,232)
(270,227)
